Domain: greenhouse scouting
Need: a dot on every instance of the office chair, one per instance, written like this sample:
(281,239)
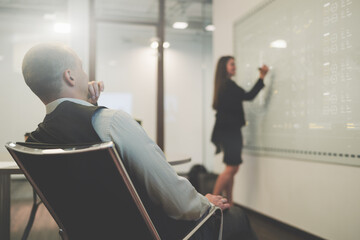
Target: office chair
(90,195)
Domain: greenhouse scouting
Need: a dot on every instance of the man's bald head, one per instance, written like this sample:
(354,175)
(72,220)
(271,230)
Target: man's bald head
(43,69)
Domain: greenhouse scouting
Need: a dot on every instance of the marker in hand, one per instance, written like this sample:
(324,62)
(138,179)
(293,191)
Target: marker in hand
(263,71)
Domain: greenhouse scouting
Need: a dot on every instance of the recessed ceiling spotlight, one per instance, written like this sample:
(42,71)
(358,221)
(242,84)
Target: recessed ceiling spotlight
(154,44)
(180,25)
(166,45)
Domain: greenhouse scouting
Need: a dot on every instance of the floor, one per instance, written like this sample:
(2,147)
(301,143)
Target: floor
(269,229)
(45,227)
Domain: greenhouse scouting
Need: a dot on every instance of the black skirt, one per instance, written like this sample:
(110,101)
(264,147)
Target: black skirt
(230,142)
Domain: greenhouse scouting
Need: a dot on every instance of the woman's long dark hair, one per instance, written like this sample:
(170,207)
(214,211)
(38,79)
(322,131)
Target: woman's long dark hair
(221,75)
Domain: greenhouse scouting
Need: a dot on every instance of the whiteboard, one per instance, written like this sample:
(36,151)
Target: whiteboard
(310,106)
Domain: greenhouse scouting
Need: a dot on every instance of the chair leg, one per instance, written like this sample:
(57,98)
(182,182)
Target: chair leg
(31,217)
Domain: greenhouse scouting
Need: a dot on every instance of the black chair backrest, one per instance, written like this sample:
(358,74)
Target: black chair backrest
(86,189)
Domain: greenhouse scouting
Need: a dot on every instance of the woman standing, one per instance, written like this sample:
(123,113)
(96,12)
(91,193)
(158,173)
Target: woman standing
(226,135)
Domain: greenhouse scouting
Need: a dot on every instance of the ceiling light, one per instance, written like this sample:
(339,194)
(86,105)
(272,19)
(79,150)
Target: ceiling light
(166,45)
(62,28)
(180,25)
(154,44)
(210,28)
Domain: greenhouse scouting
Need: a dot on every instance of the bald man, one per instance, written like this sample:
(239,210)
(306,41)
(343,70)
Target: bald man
(55,74)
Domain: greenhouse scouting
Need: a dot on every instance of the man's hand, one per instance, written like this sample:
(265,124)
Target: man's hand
(94,89)
(263,71)
(218,201)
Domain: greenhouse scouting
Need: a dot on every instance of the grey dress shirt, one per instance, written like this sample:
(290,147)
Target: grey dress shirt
(145,159)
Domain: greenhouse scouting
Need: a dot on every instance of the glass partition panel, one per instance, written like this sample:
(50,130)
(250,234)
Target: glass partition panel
(188,70)
(21,27)
(127,65)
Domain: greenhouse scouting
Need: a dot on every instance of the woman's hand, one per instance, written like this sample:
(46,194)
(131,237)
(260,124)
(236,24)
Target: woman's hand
(94,89)
(263,71)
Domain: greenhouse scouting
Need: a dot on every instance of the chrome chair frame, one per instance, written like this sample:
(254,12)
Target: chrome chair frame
(21,151)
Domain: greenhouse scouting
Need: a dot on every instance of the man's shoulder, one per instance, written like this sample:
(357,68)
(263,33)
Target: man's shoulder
(109,123)
(112,112)
(113,115)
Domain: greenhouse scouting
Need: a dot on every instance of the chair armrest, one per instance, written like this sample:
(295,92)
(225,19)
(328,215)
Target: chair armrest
(214,215)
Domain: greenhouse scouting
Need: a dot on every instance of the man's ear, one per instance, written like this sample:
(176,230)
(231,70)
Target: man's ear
(68,78)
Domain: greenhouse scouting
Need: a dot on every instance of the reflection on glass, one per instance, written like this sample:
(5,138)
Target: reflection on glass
(62,28)
(119,101)
(278,44)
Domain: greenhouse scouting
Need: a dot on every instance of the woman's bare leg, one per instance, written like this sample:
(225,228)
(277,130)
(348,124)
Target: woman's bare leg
(229,190)
(225,182)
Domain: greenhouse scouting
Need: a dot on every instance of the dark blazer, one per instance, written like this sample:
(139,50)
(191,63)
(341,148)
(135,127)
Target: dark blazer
(230,112)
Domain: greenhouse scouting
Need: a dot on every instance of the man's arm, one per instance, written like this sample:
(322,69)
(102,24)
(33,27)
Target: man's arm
(147,163)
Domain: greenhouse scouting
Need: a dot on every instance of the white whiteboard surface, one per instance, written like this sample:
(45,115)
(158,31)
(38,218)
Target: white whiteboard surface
(310,106)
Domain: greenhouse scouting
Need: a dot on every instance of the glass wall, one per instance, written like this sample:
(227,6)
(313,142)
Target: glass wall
(21,27)
(127,65)
(125,62)
(188,69)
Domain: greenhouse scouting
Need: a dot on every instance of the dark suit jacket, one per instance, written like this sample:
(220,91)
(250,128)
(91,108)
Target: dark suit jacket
(230,112)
